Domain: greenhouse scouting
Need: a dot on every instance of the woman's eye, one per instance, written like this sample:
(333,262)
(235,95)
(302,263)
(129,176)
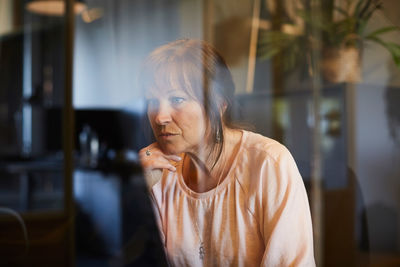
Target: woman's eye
(176,100)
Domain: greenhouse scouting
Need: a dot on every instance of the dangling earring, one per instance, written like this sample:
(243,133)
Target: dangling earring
(218,136)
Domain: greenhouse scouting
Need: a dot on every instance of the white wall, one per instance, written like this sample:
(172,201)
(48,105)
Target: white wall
(109,51)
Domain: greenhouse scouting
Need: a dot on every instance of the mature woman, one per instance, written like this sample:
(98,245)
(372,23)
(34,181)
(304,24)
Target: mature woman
(223,196)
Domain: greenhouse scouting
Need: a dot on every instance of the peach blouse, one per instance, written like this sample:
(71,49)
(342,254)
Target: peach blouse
(258,215)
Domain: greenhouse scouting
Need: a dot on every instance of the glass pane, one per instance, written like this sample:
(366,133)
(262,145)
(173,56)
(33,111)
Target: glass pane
(33,217)
(114,216)
(319,76)
(31,102)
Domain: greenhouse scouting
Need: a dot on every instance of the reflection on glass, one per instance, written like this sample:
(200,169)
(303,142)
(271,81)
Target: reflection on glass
(32,84)
(275,49)
(32,196)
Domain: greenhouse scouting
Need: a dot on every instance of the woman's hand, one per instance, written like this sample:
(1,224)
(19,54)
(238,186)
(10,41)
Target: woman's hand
(153,161)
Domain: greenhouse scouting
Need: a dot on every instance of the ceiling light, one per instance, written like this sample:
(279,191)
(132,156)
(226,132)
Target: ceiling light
(53,7)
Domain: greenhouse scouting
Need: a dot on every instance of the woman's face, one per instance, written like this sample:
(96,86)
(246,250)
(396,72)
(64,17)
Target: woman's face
(178,121)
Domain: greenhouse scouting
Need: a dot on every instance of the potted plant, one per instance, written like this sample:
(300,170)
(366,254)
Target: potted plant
(342,34)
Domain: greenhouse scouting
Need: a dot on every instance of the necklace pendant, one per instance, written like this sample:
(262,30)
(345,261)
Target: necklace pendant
(202,251)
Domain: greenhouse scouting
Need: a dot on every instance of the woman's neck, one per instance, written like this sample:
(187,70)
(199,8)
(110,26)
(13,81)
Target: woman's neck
(199,171)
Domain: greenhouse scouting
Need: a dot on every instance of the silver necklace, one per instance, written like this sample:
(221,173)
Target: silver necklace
(201,248)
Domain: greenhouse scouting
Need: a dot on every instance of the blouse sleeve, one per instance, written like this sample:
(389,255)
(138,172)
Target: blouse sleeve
(285,216)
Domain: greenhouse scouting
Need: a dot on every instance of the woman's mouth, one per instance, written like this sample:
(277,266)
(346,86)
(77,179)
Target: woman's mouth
(167,135)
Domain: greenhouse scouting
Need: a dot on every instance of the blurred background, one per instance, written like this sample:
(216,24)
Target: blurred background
(320,76)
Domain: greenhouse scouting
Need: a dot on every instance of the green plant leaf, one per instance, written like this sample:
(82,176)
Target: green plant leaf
(286,46)
(268,53)
(364,9)
(273,42)
(393,48)
(316,20)
(361,27)
(342,11)
(383,30)
(358,8)
(368,14)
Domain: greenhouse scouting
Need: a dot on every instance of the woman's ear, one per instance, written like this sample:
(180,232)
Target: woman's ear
(223,109)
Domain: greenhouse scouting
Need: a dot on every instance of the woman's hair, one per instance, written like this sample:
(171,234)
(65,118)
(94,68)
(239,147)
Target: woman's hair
(197,68)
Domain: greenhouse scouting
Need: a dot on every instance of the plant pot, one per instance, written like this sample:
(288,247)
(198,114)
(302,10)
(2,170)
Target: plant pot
(341,64)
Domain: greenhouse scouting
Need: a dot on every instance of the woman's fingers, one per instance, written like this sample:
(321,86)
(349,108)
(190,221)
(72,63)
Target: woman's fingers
(154,149)
(152,158)
(153,161)
(173,157)
(158,164)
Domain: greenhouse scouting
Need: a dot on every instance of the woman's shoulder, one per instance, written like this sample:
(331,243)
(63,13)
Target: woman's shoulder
(258,145)
(267,165)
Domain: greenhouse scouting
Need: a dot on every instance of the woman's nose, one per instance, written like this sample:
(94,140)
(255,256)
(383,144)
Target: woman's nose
(163,115)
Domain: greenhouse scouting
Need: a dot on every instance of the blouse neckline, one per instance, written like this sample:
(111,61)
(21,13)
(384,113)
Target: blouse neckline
(229,176)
